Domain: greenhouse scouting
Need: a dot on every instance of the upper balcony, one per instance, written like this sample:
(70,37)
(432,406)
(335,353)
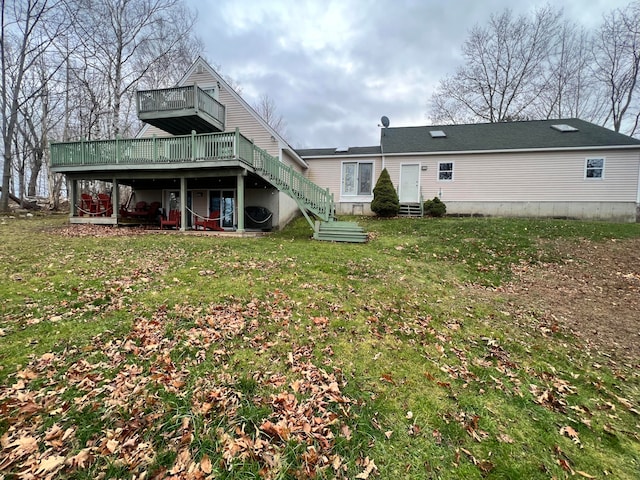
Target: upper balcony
(181,110)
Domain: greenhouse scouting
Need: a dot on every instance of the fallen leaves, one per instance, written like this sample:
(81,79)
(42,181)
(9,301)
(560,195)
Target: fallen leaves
(571,433)
(121,384)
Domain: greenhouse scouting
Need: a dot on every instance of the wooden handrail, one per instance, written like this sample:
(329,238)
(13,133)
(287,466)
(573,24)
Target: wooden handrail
(190,148)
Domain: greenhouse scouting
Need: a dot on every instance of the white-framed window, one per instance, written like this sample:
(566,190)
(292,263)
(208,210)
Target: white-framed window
(357,178)
(445,171)
(594,168)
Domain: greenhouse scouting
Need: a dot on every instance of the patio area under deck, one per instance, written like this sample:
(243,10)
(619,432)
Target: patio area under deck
(181,181)
(181,110)
(189,156)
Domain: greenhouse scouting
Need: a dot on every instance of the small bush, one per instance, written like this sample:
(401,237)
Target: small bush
(385,198)
(435,208)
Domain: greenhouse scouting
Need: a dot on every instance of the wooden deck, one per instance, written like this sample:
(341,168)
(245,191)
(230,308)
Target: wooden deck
(181,110)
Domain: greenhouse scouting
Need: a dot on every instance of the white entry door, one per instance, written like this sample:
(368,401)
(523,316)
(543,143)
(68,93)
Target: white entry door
(409,183)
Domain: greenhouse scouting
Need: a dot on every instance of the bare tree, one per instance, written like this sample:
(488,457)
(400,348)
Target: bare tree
(267,109)
(570,89)
(28,29)
(503,75)
(617,66)
(123,40)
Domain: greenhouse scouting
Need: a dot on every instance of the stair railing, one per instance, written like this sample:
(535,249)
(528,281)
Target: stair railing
(307,194)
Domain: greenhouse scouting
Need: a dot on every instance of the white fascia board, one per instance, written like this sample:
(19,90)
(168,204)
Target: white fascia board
(249,108)
(342,157)
(301,161)
(515,150)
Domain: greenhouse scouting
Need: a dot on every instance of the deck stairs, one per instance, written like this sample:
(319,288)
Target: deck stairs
(337,231)
(178,108)
(412,210)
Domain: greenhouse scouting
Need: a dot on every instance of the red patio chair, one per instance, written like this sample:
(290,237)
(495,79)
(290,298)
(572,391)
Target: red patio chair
(140,210)
(88,206)
(172,221)
(105,207)
(211,223)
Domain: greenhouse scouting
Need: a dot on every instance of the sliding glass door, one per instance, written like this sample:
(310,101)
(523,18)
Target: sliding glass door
(223,202)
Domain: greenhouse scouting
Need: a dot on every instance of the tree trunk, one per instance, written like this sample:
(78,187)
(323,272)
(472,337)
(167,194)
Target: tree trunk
(23,203)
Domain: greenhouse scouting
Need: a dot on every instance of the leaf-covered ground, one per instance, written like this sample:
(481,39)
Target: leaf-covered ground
(441,349)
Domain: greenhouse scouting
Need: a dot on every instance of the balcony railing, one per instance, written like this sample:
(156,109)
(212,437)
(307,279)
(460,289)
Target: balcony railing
(147,151)
(189,98)
(208,147)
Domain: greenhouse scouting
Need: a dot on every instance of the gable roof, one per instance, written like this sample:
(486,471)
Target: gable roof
(526,135)
(201,62)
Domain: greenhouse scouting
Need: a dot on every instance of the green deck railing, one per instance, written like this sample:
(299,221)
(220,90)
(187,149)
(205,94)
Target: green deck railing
(207,147)
(145,151)
(179,98)
(309,195)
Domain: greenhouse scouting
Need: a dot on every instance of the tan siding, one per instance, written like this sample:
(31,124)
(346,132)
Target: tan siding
(526,177)
(327,172)
(288,159)
(150,131)
(238,116)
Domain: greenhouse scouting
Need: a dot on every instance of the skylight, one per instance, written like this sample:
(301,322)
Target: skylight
(563,127)
(342,149)
(437,134)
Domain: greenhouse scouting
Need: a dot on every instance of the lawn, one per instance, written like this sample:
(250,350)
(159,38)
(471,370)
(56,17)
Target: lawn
(429,352)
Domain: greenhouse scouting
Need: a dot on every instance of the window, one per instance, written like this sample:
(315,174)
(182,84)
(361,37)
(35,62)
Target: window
(445,171)
(357,178)
(594,168)
(564,128)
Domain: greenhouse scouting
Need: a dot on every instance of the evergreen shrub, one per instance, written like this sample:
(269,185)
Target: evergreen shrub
(435,208)
(385,198)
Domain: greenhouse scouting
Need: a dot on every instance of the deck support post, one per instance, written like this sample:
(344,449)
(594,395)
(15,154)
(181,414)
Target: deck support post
(72,188)
(241,201)
(183,204)
(193,145)
(115,199)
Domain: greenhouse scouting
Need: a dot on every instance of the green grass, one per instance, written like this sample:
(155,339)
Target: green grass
(185,346)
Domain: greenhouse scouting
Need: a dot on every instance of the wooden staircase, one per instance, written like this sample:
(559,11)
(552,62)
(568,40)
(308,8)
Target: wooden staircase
(413,210)
(335,231)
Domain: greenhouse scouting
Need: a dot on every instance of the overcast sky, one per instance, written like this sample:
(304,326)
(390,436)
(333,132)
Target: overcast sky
(335,67)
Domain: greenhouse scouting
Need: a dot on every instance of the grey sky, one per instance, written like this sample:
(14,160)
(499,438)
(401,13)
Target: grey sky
(335,67)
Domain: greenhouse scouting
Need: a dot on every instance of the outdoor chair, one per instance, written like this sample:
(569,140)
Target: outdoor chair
(140,210)
(211,223)
(154,210)
(88,206)
(172,221)
(105,207)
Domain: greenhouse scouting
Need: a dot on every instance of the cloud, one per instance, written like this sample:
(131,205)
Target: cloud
(334,68)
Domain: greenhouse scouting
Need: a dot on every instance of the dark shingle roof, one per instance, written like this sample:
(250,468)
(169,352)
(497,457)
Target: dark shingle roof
(323,152)
(537,134)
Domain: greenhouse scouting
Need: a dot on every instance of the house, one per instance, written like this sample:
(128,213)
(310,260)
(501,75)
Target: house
(548,168)
(205,159)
